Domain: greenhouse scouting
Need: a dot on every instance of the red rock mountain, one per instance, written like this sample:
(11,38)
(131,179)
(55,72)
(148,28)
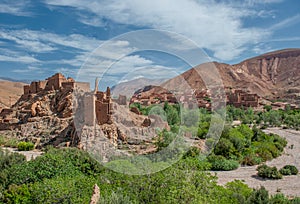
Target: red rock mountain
(271,75)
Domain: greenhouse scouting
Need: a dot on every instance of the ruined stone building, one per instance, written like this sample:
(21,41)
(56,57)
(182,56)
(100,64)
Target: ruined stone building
(98,107)
(239,98)
(55,82)
(103,107)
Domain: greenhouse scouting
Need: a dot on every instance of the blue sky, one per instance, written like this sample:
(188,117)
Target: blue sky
(41,37)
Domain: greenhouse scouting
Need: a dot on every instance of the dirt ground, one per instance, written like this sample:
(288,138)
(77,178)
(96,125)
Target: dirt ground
(289,185)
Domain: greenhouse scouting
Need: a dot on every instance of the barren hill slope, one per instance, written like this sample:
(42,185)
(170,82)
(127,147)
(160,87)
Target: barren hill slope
(9,89)
(129,87)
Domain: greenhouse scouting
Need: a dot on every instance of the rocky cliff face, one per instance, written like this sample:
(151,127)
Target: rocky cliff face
(276,73)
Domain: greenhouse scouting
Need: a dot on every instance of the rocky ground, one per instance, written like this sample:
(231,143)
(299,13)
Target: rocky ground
(289,185)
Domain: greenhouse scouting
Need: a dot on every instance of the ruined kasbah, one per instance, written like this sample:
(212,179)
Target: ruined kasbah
(97,104)
(235,97)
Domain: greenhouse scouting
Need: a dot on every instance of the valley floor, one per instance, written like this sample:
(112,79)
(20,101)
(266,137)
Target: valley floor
(289,185)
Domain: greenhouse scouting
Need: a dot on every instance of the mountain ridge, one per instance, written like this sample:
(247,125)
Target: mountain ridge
(271,75)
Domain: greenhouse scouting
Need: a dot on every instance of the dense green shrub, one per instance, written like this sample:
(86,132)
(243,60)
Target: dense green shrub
(219,163)
(25,146)
(57,190)
(239,190)
(17,194)
(116,197)
(224,148)
(265,171)
(285,172)
(55,162)
(251,160)
(295,200)
(279,199)
(248,147)
(259,196)
(289,170)
(8,159)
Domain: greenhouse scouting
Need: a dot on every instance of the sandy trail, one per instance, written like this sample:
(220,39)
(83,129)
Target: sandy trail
(289,185)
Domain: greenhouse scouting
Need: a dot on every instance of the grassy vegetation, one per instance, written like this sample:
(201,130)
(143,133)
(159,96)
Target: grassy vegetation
(68,176)
(8,142)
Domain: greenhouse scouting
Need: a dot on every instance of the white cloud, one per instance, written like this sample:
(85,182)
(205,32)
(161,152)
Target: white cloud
(41,41)
(19,59)
(91,20)
(113,49)
(253,2)
(17,8)
(66,71)
(76,61)
(215,26)
(29,69)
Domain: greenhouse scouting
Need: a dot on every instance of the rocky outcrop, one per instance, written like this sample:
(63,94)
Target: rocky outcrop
(46,116)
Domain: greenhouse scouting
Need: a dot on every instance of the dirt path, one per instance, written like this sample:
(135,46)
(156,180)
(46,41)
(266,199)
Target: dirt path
(28,154)
(289,185)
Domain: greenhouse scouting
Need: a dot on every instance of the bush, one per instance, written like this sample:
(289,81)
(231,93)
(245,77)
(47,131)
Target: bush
(25,146)
(76,189)
(265,171)
(8,159)
(295,200)
(285,172)
(260,196)
(115,198)
(251,160)
(239,190)
(224,147)
(55,162)
(279,198)
(219,163)
(289,170)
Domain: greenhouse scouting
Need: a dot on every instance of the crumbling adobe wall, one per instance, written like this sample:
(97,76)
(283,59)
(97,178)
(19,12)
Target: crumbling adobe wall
(55,82)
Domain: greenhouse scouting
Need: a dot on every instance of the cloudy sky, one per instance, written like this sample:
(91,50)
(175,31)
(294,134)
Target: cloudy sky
(41,37)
